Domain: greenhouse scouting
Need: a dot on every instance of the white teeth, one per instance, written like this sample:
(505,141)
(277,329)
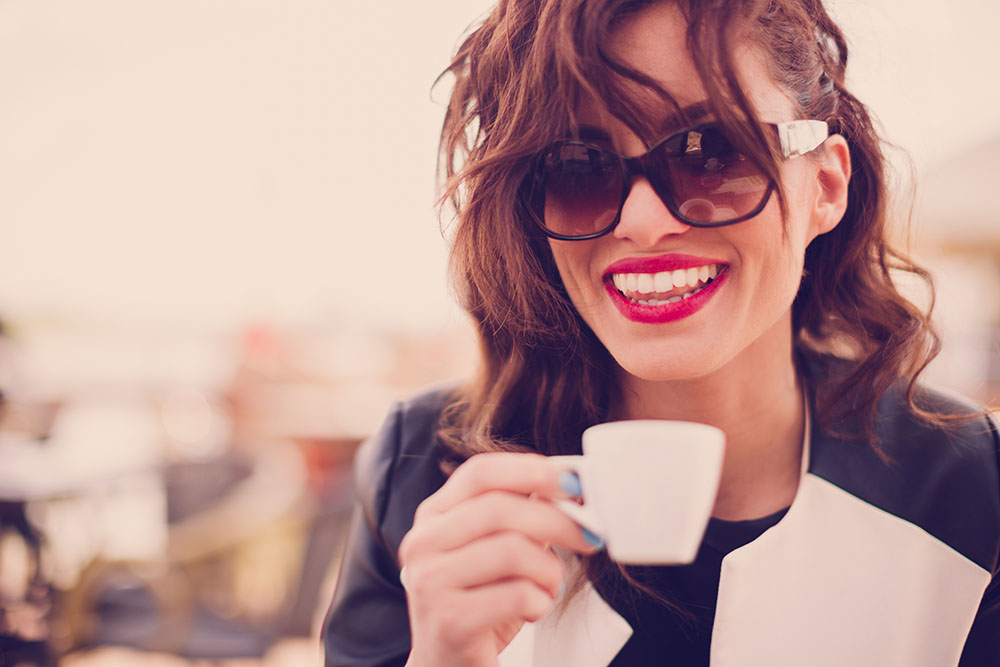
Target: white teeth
(696,277)
(692,293)
(663,281)
(673,299)
(645,283)
(692,276)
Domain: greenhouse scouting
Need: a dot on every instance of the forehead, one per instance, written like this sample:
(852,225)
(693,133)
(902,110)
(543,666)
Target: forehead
(653,41)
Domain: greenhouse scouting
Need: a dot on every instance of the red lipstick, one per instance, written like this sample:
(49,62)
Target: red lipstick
(663,312)
(657,264)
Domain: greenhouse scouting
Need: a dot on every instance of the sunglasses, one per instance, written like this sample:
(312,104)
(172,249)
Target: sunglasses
(577,189)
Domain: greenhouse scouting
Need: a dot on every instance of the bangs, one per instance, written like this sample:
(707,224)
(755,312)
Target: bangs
(529,87)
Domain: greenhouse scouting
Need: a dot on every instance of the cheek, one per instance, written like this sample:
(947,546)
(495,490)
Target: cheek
(784,268)
(775,260)
(576,269)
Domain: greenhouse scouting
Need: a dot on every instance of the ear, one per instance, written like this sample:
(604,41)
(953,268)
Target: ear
(833,176)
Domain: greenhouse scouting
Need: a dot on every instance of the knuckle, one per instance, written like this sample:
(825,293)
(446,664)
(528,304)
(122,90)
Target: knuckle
(515,549)
(494,508)
(420,580)
(475,467)
(424,509)
(521,595)
(530,602)
(415,543)
(406,547)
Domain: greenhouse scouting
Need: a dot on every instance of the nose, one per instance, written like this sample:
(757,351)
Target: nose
(645,219)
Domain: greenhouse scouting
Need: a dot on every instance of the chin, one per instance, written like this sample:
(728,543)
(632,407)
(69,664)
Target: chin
(668,366)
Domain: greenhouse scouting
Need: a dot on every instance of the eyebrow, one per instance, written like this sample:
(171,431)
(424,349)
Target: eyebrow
(686,116)
(593,133)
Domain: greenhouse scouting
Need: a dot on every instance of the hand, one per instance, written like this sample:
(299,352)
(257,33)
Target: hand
(478,563)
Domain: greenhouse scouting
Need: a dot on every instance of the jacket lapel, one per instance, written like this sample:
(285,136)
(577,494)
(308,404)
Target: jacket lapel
(587,633)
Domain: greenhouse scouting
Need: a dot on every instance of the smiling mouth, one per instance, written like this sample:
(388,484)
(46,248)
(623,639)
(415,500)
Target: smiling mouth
(665,287)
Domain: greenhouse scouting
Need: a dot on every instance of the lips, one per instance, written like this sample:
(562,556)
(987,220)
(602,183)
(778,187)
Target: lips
(666,288)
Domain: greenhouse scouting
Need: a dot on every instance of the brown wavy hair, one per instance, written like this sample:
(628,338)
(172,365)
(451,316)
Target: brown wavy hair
(518,80)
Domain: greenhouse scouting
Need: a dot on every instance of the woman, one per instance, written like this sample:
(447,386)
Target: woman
(675,210)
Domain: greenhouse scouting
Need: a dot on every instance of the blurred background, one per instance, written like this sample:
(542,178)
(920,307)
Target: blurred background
(220,263)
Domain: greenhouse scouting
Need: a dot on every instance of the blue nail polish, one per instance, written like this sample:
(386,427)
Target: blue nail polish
(569,482)
(593,540)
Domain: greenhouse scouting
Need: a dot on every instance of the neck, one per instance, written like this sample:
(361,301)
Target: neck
(756,399)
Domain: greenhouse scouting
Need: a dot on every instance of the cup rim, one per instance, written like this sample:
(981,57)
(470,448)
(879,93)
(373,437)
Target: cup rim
(711,437)
(653,423)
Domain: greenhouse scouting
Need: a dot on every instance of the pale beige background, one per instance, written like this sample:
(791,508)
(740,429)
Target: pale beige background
(202,161)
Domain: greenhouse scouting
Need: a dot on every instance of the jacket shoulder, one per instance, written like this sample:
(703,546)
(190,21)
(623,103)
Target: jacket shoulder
(367,623)
(398,467)
(943,477)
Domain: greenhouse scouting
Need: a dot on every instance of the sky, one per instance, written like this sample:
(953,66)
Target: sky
(198,163)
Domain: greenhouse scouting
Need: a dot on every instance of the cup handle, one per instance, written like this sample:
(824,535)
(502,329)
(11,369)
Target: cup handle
(582,514)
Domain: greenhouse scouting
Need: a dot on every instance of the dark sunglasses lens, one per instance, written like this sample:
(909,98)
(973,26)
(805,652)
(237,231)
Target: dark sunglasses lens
(706,180)
(584,186)
(698,174)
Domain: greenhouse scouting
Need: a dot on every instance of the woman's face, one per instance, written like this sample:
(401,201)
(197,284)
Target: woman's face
(758,262)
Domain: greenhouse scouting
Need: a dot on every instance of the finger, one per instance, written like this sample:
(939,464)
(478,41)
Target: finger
(474,611)
(517,473)
(494,512)
(495,558)
(512,599)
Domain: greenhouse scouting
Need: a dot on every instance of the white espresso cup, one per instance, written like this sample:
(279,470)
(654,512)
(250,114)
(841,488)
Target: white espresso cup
(648,487)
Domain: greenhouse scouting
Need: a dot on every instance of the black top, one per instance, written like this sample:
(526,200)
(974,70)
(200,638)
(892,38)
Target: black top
(661,635)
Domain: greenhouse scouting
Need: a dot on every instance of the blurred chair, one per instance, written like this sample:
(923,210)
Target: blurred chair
(249,543)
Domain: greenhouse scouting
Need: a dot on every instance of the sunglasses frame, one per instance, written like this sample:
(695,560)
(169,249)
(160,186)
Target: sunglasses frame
(796,137)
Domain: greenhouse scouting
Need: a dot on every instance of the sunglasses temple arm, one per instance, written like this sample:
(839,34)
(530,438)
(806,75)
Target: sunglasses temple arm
(799,137)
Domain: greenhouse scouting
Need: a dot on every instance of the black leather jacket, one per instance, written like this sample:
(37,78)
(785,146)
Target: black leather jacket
(944,486)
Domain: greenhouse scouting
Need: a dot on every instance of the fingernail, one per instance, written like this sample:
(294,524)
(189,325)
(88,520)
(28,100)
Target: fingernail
(593,540)
(569,482)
